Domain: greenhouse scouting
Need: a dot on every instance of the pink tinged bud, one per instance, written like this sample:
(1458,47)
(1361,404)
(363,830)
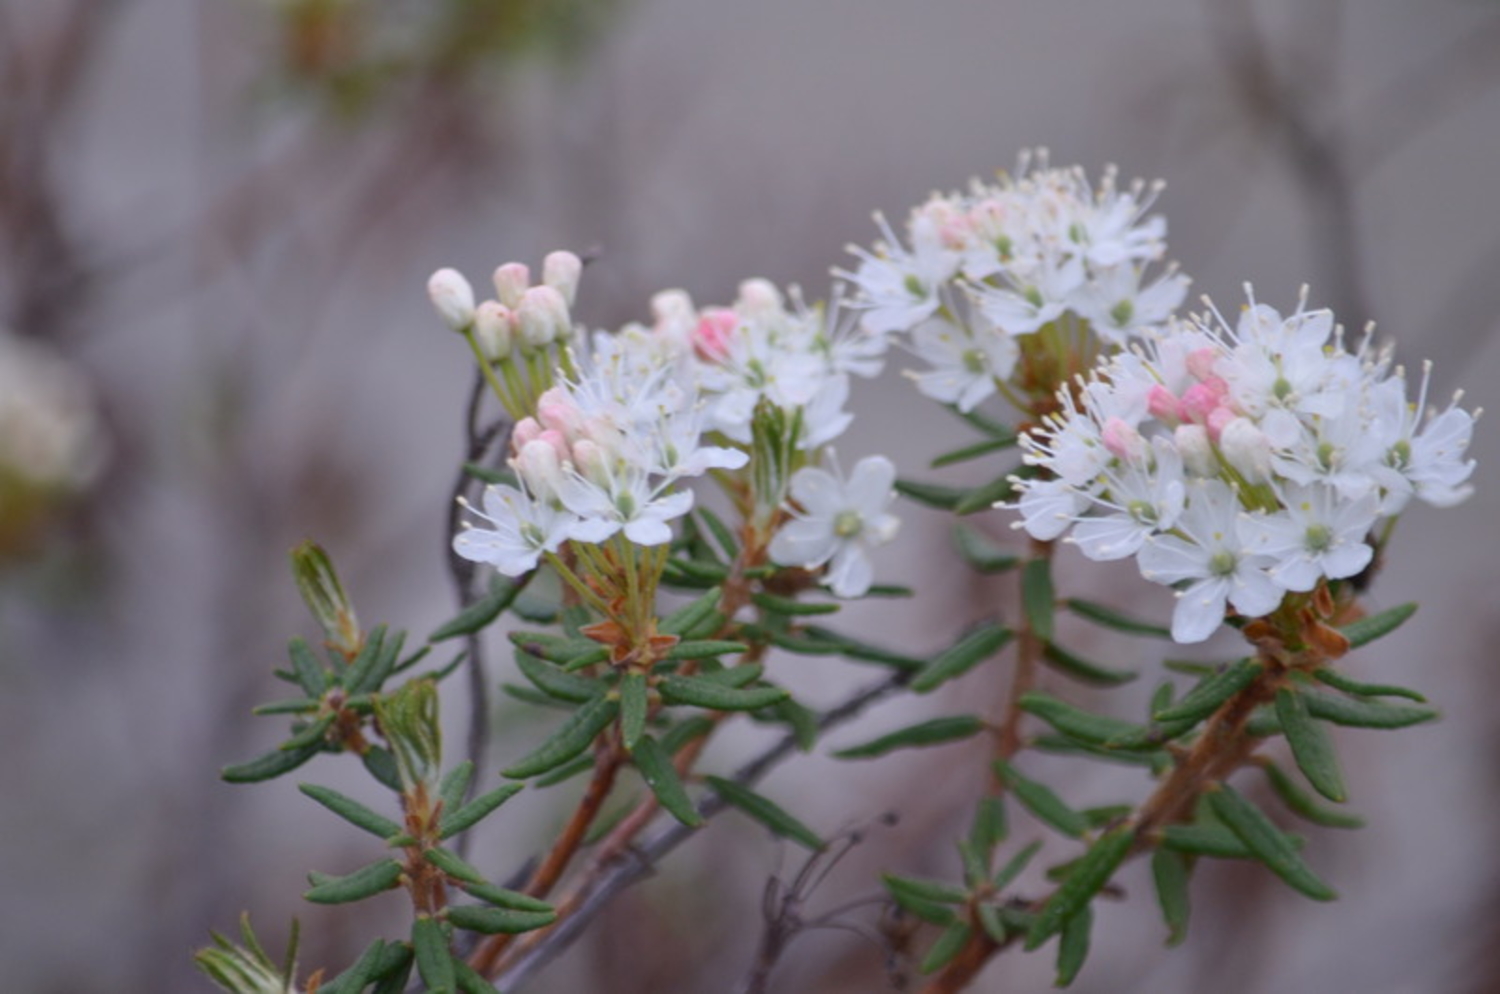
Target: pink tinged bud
(714,331)
(526,430)
(453,298)
(672,309)
(1123,441)
(511,280)
(1162,404)
(1196,450)
(1200,399)
(758,297)
(590,461)
(494,330)
(1247,449)
(560,271)
(543,317)
(1200,363)
(557,411)
(1218,418)
(538,464)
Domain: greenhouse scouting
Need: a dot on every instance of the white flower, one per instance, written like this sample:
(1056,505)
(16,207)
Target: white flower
(899,288)
(1217,560)
(523,530)
(839,522)
(1316,534)
(963,367)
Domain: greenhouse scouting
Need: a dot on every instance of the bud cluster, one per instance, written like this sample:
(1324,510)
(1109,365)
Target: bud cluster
(1241,463)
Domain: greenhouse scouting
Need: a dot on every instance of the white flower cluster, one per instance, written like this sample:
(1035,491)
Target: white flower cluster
(604,449)
(1008,259)
(50,434)
(1241,463)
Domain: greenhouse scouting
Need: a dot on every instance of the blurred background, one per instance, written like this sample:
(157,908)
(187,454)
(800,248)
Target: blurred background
(216,222)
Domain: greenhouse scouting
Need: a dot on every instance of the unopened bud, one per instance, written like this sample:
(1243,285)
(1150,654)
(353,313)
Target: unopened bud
(453,298)
(511,280)
(494,330)
(409,720)
(673,310)
(758,296)
(325,598)
(1247,449)
(543,317)
(1196,450)
(560,271)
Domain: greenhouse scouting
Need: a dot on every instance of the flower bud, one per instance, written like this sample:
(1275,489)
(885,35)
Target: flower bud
(557,410)
(1197,452)
(539,464)
(511,280)
(673,311)
(1247,449)
(589,459)
(1162,404)
(409,720)
(494,330)
(453,298)
(713,333)
(543,317)
(758,297)
(324,596)
(1123,441)
(560,271)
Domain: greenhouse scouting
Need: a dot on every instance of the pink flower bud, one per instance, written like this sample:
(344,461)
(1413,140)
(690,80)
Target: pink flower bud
(453,298)
(1162,404)
(511,280)
(526,430)
(1218,418)
(590,461)
(494,330)
(543,317)
(560,271)
(1123,441)
(1200,399)
(714,332)
(539,466)
(556,410)
(1200,363)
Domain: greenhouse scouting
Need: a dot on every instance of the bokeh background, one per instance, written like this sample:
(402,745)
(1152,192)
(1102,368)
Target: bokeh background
(216,221)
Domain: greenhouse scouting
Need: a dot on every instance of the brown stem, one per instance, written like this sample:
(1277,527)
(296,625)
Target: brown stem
(1222,748)
(563,850)
(1029,648)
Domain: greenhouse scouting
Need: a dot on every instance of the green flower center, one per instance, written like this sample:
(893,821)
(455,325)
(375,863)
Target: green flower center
(1222,563)
(847,524)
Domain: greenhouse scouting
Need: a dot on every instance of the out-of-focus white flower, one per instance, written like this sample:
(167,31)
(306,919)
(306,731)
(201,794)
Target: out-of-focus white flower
(51,437)
(838,522)
(522,529)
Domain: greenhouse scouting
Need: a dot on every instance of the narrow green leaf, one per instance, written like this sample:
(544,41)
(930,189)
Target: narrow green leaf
(1083,670)
(929,911)
(988,827)
(434,960)
(272,764)
(466,817)
(1108,617)
(728,544)
(498,921)
(379,876)
(355,979)
(312,734)
(716,696)
(1094,728)
(455,784)
(488,474)
(1303,803)
(297,705)
(453,864)
(656,768)
(979,552)
(968,652)
(554,681)
(792,607)
(969,452)
(1312,747)
(381,765)
(976,863)
(571,738)
(696,572)
(1015,865)
(309,671)
(1038,600)
(393,970)
(635,701)
(550,646)
(1367,630)
(373,664)
(1339,681)
(1169,871)
(1204,840)
(351,811)
(705,648)
(1039,799)
(886,590)
(863,651)
(1106,814)
(984,497)
(994,927)
(938,891)
(1211,692)
(477,615)
(1073,947)
(503,897)
(567,771)
(931,494)
(686,619)
(986,424)
(801,720)
(1266,842)
(1355,713)
(586,658)
(765,811)
(932,732)
(949,943)
(684,732)
(469,980)
(1090,874)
